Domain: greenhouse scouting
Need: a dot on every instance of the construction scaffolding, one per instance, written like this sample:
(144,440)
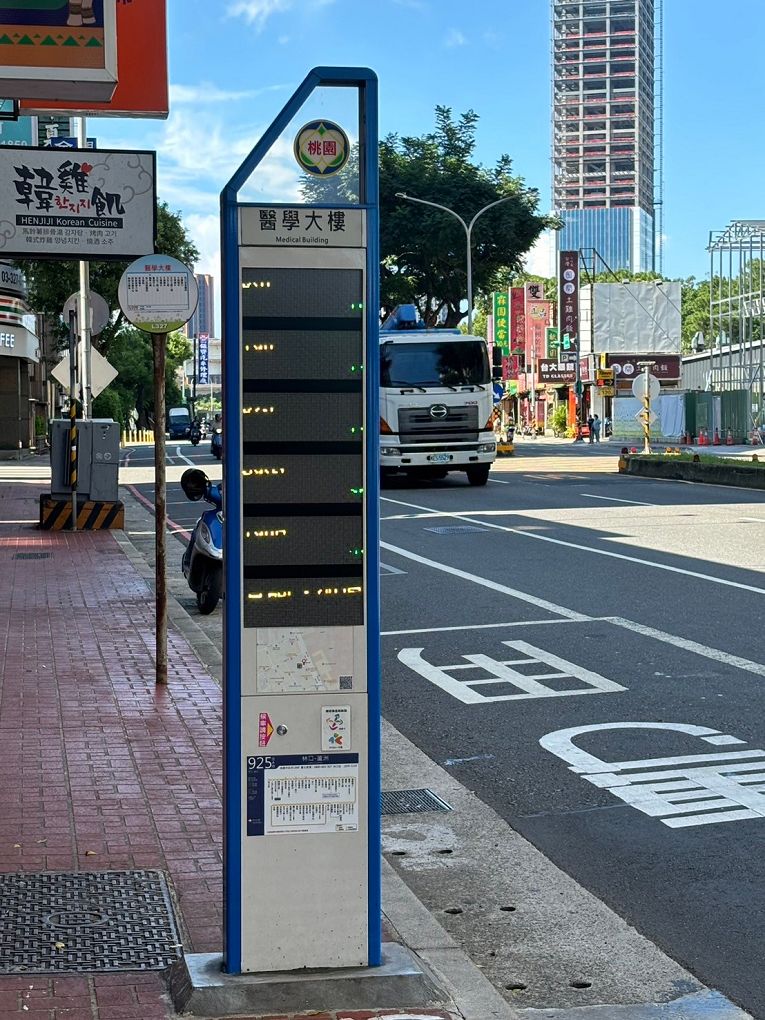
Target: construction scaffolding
(737,313)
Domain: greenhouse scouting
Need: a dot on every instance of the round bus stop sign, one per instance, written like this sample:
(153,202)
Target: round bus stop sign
(158,293)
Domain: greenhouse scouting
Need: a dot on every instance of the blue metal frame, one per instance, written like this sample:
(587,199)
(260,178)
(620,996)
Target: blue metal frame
(366,82)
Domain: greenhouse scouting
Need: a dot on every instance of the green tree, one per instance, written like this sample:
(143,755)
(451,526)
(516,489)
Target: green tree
(131,355)
(423,250)
(50,283)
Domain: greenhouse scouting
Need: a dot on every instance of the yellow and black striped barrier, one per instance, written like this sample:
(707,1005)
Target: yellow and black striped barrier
(92,515)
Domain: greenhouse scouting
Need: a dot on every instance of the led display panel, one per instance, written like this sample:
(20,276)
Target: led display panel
(303,447)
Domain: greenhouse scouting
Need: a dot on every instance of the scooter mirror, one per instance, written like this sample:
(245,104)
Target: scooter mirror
(194,483)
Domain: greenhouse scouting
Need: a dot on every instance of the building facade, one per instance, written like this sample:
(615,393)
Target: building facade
(604,129)
(203,319)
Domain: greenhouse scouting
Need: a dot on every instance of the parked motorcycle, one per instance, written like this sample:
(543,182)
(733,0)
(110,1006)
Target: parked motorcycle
(203,559)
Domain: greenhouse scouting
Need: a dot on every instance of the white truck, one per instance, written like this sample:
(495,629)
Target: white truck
(436,400)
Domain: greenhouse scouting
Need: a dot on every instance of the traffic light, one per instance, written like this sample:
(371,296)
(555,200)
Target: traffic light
(566,342)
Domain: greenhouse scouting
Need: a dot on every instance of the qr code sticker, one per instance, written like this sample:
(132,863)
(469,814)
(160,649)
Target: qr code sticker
(346,683)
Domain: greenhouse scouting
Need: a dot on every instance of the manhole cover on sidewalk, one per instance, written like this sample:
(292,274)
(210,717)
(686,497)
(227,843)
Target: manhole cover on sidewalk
(100,921)
(404,802)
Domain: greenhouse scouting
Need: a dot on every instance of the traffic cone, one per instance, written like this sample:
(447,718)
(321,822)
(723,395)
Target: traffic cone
(716,440)
(729,438)
(702,437)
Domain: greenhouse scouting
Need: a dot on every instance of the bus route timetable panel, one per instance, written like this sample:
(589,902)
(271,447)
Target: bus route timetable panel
(303,446)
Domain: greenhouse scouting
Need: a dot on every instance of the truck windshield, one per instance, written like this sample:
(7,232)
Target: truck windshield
(436,363)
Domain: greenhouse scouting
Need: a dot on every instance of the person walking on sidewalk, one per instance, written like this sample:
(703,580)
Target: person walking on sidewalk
(596,423)
(591,428)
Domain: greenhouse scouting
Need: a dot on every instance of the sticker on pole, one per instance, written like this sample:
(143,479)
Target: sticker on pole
(158,294)
(322,148)
(265,729)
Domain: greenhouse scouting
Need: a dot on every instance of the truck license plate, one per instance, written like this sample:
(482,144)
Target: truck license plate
(440,458)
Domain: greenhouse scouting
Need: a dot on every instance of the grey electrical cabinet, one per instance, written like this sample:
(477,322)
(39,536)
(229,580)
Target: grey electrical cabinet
(98,459)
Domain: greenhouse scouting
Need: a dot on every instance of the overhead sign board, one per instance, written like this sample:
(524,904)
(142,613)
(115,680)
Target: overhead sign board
(553,371)
(76,205)
(68,142)
(203,369)
(18,132)
(158,294)
(302,226)
(568,303)
(666,367)
(501,320)
(58,48)
(142,89)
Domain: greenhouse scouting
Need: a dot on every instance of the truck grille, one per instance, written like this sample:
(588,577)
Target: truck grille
(417,425)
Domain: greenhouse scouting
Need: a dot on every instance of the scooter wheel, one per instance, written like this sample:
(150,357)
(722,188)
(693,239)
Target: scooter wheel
(208,596)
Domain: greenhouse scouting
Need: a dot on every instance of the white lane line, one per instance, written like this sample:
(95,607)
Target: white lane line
(499,481)
(717,654)
(522,596)
(490,626)
(613,499)
(183,458)
(590,549)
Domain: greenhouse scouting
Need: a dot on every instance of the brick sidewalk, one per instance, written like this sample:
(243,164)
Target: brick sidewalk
(102,770)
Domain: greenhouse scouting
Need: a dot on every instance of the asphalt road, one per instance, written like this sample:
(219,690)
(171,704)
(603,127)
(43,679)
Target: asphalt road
(631,602)
(564,595)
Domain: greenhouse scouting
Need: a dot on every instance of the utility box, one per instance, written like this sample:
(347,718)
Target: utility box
(98,448)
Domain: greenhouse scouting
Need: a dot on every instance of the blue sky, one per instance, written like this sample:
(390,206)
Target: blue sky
(233,64)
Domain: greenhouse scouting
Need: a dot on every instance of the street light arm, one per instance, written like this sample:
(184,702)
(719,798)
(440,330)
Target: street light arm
(422,201)
(489,206)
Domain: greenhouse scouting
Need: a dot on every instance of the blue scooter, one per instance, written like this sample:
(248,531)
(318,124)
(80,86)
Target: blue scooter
(203,560)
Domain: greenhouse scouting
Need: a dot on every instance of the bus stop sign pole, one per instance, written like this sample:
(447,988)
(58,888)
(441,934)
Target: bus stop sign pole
(301,612)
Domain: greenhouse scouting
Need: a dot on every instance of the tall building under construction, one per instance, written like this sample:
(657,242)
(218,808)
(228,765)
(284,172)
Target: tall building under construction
(607,121)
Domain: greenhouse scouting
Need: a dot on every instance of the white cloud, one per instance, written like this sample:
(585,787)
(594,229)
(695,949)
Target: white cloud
(257,12)
(455,38)
(208,93)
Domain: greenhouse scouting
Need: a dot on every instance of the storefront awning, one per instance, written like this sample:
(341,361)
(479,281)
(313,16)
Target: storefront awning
(18,342)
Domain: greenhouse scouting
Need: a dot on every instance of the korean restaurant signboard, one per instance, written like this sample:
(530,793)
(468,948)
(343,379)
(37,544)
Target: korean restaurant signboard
(569,296)
(76,203)
(501,320)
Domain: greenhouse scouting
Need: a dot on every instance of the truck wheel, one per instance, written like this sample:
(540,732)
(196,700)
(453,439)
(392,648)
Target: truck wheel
(478,475)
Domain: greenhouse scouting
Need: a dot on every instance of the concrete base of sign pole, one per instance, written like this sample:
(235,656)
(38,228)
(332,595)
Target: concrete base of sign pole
(199,986)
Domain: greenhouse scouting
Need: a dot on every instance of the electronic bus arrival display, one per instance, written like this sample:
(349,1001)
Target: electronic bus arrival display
(302,447)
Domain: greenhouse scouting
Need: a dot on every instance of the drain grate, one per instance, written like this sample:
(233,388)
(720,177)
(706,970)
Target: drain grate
(455,529)
(404,802)
(58,922)
(32,556)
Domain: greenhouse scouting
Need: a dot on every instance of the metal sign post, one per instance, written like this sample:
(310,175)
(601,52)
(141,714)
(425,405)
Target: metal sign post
(301,613)
(158,294)
(646,387)
(73,416)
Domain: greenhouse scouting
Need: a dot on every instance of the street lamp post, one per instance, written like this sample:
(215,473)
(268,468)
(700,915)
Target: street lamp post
(468,228)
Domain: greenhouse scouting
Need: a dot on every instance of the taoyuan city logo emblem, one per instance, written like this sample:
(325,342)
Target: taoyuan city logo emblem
(322,148)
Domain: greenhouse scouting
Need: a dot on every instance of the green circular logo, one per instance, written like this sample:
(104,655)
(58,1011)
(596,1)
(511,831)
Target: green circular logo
(322,148)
